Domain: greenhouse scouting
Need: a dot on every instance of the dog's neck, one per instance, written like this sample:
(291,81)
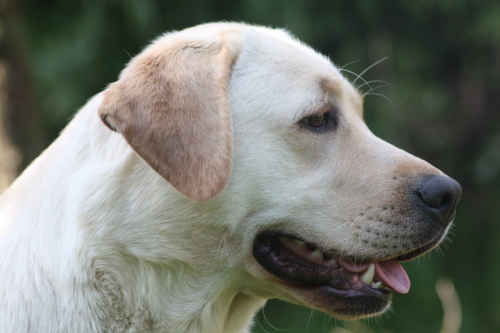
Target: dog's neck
(170,299)
(176,279)
(138,265)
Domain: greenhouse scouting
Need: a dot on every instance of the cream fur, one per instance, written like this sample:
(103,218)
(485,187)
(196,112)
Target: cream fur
(92,239)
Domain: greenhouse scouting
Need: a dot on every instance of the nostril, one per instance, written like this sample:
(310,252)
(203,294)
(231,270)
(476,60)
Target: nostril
(435,199)
(447,200)
(440,194)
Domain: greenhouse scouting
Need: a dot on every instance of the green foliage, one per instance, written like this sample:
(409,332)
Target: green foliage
(443,65)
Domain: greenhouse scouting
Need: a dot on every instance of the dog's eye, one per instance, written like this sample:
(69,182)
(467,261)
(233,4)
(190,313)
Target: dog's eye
(317,120)
(320,122)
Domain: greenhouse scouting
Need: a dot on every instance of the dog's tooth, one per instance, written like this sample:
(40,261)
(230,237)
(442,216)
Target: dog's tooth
(317,253)
(367,276)
(376,285)
(299,242)
(333,262)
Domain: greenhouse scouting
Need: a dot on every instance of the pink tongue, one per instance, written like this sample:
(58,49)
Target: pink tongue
(393,275)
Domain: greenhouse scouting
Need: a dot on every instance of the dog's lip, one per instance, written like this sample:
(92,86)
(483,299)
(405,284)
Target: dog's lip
(429,245)
(341,279)
(300,262)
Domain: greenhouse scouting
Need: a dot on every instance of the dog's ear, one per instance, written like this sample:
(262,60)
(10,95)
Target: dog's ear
(171,105)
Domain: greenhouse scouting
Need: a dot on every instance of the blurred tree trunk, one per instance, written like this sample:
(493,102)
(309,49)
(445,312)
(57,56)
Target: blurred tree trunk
(21,133)
(9,156)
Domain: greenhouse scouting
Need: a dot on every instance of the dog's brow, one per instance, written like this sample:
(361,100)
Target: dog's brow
(333,86)
(329,87)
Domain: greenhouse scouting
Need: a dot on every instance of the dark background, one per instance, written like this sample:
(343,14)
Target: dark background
(443,68)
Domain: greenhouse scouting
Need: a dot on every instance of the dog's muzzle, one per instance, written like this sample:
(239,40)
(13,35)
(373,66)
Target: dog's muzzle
(350,284)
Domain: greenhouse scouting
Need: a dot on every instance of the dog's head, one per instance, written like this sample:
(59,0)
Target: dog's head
(321,211)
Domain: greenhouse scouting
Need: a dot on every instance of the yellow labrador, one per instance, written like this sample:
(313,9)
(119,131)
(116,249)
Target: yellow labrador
(229,164)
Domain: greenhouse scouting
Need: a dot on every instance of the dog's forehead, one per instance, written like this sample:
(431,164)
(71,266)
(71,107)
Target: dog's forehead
(279,47)
(299,74)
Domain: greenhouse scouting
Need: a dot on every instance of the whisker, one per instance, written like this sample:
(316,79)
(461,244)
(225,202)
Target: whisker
(260,324)
(369,67)
(373,89)
(352,62)
(328,319)
(375,81)
(376,94)
(269,323)
(357,76)
(379,86)
(310,319)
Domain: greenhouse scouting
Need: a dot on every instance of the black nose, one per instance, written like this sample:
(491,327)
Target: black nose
(440,196)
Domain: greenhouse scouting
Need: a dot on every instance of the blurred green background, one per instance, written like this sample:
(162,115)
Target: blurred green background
(443,66)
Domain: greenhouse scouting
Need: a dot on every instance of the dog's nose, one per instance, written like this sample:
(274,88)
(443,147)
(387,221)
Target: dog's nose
(440,196)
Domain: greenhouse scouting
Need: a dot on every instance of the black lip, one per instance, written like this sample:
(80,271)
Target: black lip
(349,304)
(337,283)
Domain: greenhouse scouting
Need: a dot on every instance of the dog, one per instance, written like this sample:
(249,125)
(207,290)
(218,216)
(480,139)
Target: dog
(229,164)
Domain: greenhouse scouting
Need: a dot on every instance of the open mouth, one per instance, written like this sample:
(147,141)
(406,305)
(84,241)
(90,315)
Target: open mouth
(306,266)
